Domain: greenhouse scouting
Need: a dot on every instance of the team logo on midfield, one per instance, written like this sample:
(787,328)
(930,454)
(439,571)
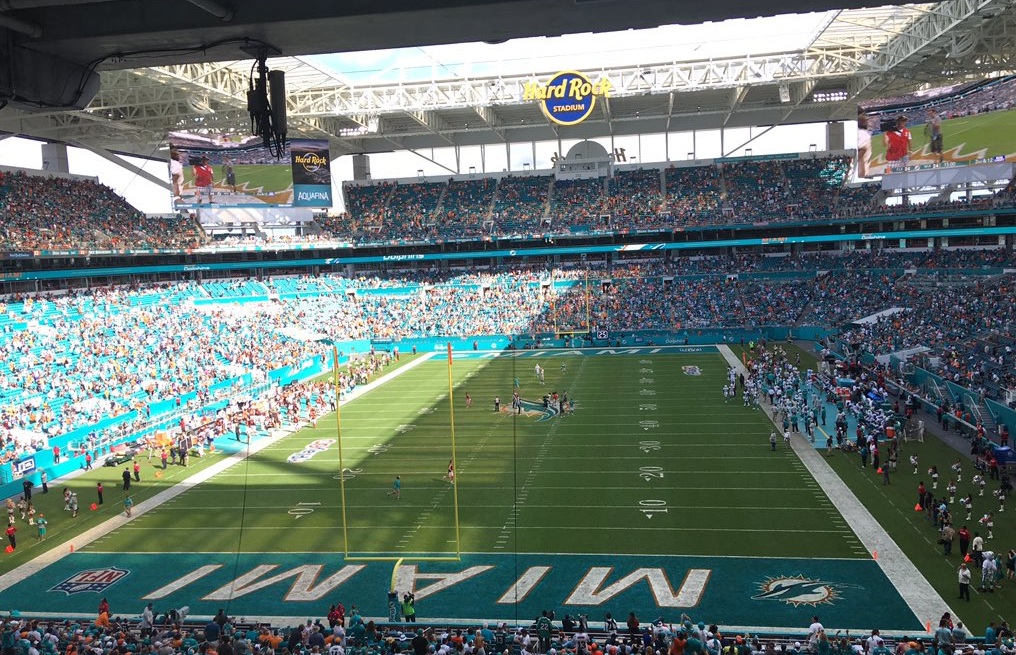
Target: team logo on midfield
(797,590)
(313,448)
(93,580)
(691,370)
(537,410)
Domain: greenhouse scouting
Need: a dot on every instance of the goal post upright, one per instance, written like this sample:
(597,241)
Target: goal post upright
(338,439)
(455,464)
(353,556)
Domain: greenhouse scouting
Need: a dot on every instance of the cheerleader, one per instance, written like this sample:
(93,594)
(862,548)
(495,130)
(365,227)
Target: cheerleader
(980,482)
(988,521)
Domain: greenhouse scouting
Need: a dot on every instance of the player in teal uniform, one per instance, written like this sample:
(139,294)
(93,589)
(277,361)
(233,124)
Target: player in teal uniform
(396,488)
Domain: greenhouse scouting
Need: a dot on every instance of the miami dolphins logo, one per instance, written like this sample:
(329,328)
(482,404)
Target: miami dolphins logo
(531,408)
(797,590)
(691,370)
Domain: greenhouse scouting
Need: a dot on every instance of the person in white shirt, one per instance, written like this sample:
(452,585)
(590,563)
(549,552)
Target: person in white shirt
(814,629)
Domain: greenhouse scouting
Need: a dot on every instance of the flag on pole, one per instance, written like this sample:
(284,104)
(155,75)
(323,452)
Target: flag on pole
(449,354)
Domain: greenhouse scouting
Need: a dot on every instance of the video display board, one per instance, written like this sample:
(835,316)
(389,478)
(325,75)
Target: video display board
(239,171)
(947,126)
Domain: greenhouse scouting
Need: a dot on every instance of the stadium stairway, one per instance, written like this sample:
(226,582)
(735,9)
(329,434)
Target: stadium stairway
(987,419)
(489,214)
(802,318)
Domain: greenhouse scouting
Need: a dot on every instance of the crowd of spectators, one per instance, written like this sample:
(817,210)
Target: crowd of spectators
(410,211)
(72,359)
(520,201)
(348,632)
(577,202)
(49,213)
(55,213)
(635,198)
(466,206)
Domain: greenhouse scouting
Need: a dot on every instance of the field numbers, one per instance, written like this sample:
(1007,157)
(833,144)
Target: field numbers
(649,425)
(651,508)
(649,446)
(379,448)
(347,474)
(648,473)
(302,509)
(647,407)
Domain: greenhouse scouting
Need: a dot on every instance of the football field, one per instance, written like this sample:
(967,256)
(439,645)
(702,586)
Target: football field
(654,495)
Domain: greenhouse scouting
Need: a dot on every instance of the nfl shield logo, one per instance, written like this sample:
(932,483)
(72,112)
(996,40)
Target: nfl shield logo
(93,580)
(691,370)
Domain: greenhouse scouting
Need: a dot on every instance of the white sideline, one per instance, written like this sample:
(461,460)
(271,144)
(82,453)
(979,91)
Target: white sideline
(57,553)
(922,598)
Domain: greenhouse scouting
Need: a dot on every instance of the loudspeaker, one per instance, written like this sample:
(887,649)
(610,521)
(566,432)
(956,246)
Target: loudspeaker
(277,97)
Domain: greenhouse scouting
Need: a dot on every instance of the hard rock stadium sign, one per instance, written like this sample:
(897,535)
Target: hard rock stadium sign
(568,98)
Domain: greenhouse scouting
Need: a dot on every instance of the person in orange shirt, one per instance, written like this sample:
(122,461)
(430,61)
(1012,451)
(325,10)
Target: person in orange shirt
(677,644)
(203,175)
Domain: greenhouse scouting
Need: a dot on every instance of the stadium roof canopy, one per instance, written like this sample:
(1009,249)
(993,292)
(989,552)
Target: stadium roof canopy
(808,68)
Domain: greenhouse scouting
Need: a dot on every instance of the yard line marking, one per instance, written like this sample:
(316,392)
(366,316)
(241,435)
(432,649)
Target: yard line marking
(450,526)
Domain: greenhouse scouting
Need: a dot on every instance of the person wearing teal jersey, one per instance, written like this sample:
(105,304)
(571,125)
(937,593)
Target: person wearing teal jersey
(396,488)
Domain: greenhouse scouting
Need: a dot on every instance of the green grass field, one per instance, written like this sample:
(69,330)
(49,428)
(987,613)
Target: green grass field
(523,483)
(654,474)
(654,495)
